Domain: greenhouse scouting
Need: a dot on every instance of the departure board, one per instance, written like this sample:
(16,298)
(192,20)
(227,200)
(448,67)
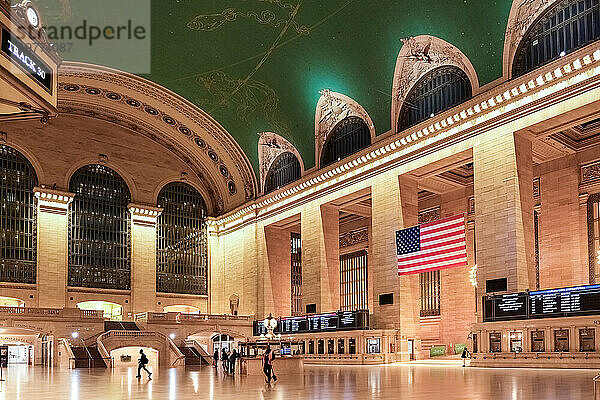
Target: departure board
(576,300)
(327,322)
(511,306)
(291,325)
(348,320)
(563,302)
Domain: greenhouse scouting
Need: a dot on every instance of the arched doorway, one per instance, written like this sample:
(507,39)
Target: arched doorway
(222,341)
(11,302)
(127,357)
(112,311)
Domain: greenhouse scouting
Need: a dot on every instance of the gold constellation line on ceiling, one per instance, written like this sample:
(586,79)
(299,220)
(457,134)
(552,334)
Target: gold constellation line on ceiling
(212,22)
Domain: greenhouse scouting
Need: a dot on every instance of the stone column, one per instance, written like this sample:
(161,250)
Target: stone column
(394,207)
(320,256)
(52,247)
(560,255)
(504,211)
(143,257)
(276,280)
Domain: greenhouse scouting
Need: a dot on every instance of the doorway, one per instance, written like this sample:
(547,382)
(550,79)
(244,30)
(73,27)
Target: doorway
(411,349)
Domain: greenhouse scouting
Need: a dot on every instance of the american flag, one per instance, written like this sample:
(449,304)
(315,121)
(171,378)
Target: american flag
(435,245)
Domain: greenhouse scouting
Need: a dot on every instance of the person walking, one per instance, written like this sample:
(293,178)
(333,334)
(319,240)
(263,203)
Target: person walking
(216,358)
(232,359)
(224,359)
(267,362)
(465,354)
(142,362)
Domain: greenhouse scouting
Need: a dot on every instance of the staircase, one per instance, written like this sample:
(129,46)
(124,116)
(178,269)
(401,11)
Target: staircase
(87,357)
(199,351)
(120,326)
(191,356)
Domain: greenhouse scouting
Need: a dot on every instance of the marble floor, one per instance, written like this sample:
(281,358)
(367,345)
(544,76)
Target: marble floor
(399,381)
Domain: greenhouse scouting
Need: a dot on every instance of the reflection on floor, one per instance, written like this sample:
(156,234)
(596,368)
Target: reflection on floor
(437,382)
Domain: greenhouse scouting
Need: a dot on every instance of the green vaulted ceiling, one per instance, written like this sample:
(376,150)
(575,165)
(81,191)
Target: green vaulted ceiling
(258,65)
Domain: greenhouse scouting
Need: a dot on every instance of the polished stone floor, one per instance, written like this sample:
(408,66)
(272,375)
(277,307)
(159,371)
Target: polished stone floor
(401,381)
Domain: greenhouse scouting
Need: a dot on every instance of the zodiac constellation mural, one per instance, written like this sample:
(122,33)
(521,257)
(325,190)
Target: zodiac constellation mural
(248,99)
(214,21)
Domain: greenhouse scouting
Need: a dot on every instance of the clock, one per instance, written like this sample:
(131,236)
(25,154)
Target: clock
(32,17)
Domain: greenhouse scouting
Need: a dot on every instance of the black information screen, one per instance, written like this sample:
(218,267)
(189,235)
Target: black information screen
(563,302)
(341,320)
(26,59)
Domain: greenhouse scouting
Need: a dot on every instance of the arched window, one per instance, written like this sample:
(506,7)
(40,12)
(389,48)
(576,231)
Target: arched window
(99,243)
(285,169)
(17,217)
(349,136)
(437,91)
(182,250)
(563,28)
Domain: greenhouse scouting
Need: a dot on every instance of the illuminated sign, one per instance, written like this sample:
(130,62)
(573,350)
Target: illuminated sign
(25,58)
(563,302)
(337,321)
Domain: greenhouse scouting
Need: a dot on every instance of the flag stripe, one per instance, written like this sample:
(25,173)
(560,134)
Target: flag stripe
(434,245)
(449,229)
(443,243)
(435,259)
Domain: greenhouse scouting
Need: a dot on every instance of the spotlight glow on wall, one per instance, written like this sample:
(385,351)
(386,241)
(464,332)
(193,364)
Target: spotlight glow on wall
(473,275)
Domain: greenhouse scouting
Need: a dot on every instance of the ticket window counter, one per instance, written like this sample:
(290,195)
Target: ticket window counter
(587,340)
(330,346)
(374,345)
(475,344)
(516,342)
(537,342)
(561,340)
(311,347)
(341,346)
(495,342)
(321,346)
(352,346)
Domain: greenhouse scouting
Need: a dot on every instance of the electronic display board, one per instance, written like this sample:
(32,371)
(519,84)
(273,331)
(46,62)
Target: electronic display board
(327,322)
(551,303)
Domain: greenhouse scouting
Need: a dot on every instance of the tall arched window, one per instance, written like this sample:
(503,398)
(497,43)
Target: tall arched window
(349,136)
(285,169)
(437,91)
(99,243)
(17,217)
(182,250)
(563,28)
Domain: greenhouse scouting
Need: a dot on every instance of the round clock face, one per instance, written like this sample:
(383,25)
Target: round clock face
(32,17)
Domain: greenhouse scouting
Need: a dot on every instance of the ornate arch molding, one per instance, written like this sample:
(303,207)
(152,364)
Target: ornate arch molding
(162,116)
(418,56)
(271,146)
(127,178)
(523,14)
(332,108)
(13,141)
